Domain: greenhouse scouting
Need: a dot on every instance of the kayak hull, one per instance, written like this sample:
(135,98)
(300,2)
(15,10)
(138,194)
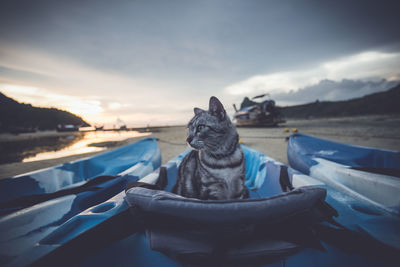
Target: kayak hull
(358,171)
(76,173)
(22,229)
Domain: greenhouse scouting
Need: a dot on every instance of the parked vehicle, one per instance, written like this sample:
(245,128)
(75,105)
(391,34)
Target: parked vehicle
(258,114)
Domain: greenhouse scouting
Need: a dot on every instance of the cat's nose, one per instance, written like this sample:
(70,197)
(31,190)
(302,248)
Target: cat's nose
(189,139)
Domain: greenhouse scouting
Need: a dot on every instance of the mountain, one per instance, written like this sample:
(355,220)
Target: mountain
(19,117)
(387,102)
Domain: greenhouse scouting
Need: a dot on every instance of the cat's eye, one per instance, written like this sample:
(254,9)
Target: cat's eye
(200,128)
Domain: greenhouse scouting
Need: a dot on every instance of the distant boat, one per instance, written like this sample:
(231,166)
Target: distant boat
(67,128)
(122,125)
(99,128)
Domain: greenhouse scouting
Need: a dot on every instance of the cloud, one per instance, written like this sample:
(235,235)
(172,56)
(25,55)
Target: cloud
(328,90)
(59,72)
(99,96)
(368,65)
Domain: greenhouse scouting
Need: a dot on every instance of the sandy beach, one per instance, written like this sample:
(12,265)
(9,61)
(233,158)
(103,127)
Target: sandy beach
(373,131)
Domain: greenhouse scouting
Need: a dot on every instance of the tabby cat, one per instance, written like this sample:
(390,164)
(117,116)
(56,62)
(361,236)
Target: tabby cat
(215,169)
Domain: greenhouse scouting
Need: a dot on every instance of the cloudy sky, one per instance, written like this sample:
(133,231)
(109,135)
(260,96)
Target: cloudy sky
(151,62)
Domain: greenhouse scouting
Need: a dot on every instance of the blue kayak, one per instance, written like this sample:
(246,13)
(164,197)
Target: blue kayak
(68,189)
(368,174)
(290,219)
(31,188)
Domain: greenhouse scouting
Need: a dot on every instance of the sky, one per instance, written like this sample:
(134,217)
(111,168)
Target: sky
(151,62)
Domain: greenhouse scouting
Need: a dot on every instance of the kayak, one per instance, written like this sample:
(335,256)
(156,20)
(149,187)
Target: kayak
(91,181)
(31,188)
(371,175)
(290,219)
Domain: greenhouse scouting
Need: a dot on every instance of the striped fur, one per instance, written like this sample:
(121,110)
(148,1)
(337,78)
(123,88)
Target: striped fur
(215,169)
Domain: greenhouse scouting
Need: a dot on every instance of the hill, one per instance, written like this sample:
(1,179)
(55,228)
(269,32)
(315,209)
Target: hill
(374,104)
(20,117)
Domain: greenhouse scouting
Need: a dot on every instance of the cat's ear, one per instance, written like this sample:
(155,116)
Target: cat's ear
(197,111)
(216,108)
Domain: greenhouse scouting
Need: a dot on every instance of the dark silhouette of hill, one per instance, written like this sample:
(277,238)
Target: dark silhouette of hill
(20,117)
(387,102)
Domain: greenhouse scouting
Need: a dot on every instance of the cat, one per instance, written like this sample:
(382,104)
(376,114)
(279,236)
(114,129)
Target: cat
(215,169)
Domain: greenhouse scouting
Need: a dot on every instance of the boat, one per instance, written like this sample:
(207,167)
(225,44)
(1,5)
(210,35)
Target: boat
(290,219)
(257,114)
(68,128)
(368,174)
(77,176)
(41,201)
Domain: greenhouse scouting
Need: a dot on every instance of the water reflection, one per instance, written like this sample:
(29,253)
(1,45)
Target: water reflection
(89,142)
(62,145)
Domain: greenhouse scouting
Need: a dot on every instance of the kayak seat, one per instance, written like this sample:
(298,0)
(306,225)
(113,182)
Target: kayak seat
(187,229)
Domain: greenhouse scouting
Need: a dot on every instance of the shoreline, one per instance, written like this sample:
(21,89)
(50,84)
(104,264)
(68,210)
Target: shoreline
(372,131)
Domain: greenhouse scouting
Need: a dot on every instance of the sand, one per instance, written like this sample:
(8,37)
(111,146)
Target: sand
(373,131)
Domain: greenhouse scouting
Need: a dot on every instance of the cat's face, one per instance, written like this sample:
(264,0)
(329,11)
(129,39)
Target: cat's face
(208,127)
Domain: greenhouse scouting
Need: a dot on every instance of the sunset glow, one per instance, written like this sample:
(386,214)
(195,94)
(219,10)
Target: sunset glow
(111,61)
(45,98)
